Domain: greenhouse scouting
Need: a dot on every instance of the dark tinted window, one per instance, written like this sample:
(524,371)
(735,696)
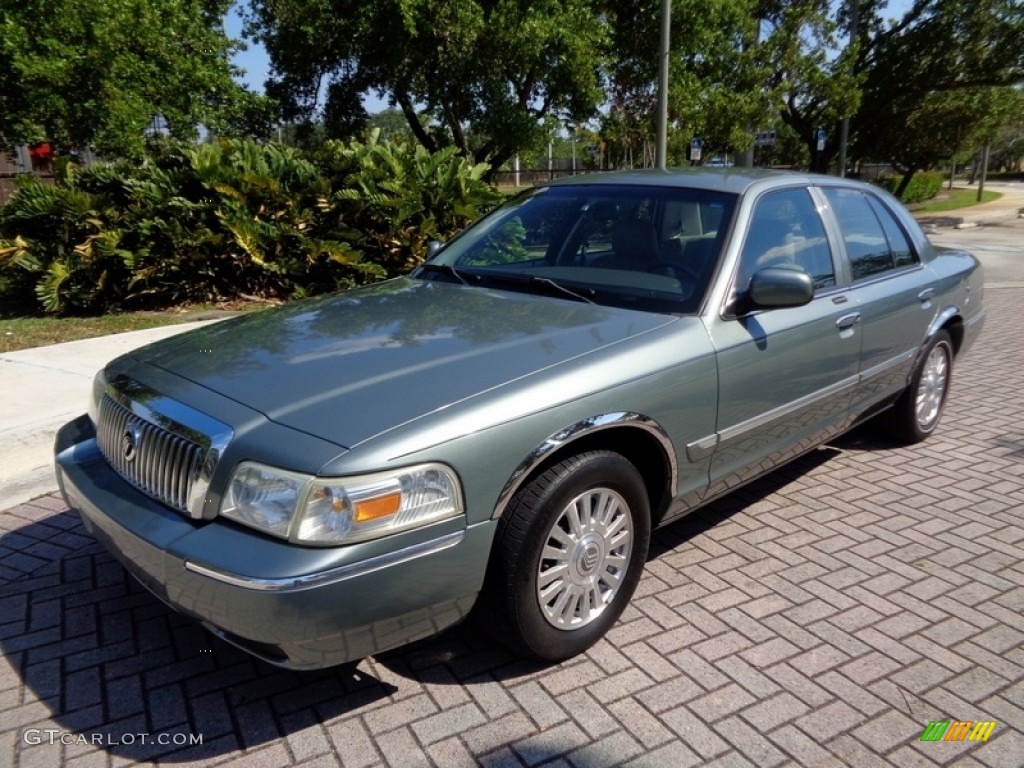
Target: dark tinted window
(786,231)
(643,247)
(866,244)
(902,254)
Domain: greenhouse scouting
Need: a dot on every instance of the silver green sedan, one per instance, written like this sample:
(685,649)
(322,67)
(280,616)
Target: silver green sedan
(499,432)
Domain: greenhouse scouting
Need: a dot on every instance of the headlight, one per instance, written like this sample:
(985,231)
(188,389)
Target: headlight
(343,510)
(99,388)
(263,497)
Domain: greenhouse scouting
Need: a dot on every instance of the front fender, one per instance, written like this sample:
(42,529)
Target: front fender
(569,436)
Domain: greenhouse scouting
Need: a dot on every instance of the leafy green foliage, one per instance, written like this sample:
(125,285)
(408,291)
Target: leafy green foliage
(395,197)
(716,81)
(893,65)
(940,126)
(232,218)
(97,72)
(922,186)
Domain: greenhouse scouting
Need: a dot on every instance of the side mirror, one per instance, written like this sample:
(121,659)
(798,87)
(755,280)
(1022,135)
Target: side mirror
(777,287)
(433,247)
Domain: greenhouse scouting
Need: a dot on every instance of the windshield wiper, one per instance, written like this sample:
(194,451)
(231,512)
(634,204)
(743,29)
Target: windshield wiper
(558,286)
(526,281)
(444,269)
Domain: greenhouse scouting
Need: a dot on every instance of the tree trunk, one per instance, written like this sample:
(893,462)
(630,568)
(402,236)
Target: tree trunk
(905,182)
(424,138)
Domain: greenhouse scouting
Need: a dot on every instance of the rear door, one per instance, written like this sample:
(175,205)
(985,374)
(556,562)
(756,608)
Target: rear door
(892,288)
(786,375)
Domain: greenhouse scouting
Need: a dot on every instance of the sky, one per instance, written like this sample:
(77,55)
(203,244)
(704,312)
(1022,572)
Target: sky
(256,63)
(254,60)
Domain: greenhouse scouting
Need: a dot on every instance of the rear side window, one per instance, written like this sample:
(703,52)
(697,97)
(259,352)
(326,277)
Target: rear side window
(875,241)
(902,253)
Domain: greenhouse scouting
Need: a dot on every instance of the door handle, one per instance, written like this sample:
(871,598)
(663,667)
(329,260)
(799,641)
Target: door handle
(926,294)
(848,321)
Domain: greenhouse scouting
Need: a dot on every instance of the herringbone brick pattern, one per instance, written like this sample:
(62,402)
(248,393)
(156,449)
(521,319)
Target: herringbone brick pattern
(820,617)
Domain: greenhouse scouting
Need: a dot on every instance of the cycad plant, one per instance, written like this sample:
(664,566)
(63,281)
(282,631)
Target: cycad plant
(231,218)
(265,199)
(392,199)
(67,242)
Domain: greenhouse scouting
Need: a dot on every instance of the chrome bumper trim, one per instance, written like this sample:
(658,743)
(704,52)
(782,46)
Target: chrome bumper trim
(334,575)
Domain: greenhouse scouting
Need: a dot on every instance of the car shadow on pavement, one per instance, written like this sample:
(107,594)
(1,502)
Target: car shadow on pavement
(464,653)
(705,518)
(103,661)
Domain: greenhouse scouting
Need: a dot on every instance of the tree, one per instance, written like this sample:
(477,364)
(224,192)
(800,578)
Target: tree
(941,126)
(1008,144)
(716,79)
(479,75)
(99,72)
(391,123)
(813,77)
(893,65)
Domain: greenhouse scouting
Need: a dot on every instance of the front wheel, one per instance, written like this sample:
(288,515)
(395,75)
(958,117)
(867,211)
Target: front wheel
(570,550)
(918,410)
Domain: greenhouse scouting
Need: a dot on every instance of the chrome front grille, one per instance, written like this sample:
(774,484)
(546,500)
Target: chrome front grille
(153,459)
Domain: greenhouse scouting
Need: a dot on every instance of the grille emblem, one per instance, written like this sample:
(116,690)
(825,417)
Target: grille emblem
(131,439)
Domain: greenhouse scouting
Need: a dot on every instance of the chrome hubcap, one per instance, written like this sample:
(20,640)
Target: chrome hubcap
(931,390)
(584,559)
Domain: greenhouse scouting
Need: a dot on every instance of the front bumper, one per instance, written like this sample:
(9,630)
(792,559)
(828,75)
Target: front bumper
(299,607)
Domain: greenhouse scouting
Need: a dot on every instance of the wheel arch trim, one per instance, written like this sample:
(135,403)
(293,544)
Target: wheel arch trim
(573,433)
(942,319)
(951,320)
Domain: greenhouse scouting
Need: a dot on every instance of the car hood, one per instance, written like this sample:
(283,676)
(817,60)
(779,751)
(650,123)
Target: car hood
(352,365)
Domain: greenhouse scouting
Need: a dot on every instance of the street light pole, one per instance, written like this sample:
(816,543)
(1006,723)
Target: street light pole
(661,145)
(844,127)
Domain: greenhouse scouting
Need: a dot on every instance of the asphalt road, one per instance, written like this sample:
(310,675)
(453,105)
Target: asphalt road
(999,245)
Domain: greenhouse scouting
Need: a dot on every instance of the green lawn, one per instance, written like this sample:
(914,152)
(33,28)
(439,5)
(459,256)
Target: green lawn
(949,200)
(20,332)
(26,332)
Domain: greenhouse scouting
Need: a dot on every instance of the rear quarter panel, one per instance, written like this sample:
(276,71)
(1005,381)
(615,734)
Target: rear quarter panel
(960,293)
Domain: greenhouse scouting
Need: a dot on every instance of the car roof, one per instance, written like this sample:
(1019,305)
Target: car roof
(734,180)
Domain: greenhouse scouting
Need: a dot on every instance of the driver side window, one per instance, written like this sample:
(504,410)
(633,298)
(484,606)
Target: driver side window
(786,231)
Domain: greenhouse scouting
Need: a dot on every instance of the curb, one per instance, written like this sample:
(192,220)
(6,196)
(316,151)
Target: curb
(967,221)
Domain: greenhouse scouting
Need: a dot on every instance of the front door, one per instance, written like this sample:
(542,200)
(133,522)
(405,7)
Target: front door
(786,376)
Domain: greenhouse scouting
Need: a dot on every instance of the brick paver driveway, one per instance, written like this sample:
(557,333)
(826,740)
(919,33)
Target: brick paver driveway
(823,616)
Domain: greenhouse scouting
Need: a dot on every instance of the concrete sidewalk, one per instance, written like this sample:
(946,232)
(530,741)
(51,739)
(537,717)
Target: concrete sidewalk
(45,387)
(1009,206)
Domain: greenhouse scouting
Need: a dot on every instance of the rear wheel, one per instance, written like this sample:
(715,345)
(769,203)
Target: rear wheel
(919,408)
(570,551)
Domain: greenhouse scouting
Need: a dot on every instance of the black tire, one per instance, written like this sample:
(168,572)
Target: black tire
(580,529)
(917,412)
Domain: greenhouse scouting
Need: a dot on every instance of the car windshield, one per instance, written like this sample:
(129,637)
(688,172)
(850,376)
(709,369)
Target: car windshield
(641,247)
